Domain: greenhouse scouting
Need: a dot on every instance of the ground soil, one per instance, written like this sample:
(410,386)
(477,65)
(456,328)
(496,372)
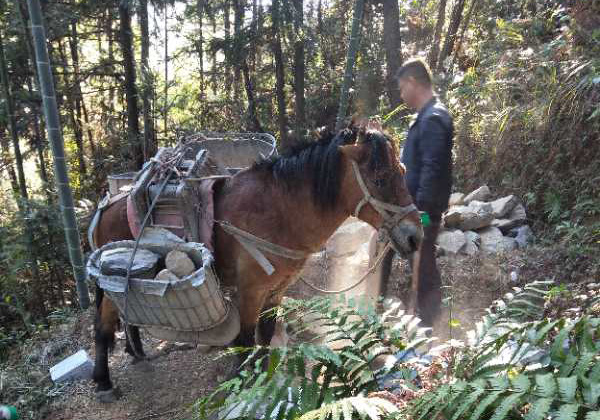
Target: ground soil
(166,387)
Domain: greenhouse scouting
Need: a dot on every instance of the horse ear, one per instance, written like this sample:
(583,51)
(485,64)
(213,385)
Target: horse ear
(355,152)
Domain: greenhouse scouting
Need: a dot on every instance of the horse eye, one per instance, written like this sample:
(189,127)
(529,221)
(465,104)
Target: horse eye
(380,182)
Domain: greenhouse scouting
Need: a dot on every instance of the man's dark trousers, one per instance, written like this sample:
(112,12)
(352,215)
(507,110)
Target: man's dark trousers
(426,276)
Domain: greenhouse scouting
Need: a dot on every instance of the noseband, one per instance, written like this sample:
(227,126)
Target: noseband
(392,214)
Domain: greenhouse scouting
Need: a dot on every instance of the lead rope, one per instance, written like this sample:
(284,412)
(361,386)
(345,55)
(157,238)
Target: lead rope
(371,269)
(130,264)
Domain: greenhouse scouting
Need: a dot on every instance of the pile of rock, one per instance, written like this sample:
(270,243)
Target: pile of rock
(475,223)
(147,264)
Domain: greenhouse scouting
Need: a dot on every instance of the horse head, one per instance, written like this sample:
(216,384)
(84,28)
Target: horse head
(374,187)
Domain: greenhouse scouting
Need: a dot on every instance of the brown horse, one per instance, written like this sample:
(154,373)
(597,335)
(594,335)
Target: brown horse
(296,201)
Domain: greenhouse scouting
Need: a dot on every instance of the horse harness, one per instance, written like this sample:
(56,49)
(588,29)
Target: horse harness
(392,215)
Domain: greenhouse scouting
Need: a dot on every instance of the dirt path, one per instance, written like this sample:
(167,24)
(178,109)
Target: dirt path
(166,387)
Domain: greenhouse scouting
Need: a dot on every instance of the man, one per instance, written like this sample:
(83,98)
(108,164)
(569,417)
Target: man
(427,156)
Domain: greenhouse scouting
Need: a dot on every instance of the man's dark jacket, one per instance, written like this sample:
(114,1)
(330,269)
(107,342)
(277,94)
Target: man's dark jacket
(427,155)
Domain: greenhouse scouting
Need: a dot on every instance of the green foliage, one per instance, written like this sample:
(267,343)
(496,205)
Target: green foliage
(312,380)
(498,375)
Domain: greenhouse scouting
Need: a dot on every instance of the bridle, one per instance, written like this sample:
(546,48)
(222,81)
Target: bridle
(392,214)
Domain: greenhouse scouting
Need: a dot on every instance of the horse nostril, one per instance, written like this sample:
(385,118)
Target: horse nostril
(413,242)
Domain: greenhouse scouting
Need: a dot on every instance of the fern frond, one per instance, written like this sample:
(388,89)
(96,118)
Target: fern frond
(375,408)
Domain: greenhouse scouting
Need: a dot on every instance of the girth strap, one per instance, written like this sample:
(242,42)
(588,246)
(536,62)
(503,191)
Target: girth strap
(253,244)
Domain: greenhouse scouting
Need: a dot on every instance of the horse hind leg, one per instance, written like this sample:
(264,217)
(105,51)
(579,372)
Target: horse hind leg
(133,345)
(107,320)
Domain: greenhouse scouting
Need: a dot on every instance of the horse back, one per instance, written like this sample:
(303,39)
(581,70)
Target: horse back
(113,225)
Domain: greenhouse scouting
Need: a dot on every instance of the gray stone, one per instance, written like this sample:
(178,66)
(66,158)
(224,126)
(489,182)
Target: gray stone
(453,216)
(159,236)
(456,199)
(524,236)
(518,214)
(348,238)
(165,274)
(78,366)
(492,241)
(114,262)
(178,263)
(480,194)
(502,206)
(473,242)
(451,242)
(476,215)
(516,217)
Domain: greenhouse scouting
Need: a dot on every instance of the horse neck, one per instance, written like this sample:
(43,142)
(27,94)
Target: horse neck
(288,217)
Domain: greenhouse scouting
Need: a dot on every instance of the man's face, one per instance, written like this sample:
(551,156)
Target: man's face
(409,91)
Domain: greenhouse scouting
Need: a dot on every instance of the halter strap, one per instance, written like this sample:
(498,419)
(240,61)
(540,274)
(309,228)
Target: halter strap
(399,212)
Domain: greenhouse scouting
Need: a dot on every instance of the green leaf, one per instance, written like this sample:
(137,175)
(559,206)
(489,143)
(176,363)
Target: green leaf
(484,404)
(467,402)
(507,404)
(567,388)
(546,385)
(539,409)
(566,412)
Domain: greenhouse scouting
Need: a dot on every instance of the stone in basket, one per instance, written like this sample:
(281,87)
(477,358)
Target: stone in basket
(172,305)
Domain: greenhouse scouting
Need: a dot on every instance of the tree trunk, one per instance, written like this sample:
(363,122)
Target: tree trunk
(253,122)
(393,49)
(474,5)
(299,68)
(279,75)
(12,123)
(23,200)
(75,121)
(457,11)
(227,29)
(166,59)
(149,147)
(439,26)
(200,6)
(80,108)
(213,80)
(353,44)
(238,17)
(56,141)
(111,57)
(7,164)
(131,95)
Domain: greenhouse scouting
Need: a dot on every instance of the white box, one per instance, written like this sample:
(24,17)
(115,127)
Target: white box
(75,367)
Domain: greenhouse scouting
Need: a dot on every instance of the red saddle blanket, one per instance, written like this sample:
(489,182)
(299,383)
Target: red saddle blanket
(173,220)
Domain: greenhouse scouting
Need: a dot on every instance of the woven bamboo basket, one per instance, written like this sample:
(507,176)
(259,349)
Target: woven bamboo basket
(192,309)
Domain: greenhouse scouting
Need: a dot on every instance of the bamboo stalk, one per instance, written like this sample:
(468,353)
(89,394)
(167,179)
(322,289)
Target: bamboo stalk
(58,151)
(350,59)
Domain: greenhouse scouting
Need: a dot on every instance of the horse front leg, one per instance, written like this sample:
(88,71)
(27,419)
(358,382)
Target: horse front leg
(251,301)
(107,320)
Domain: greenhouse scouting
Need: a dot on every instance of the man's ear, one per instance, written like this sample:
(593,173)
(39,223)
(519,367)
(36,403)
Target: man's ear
(355,152)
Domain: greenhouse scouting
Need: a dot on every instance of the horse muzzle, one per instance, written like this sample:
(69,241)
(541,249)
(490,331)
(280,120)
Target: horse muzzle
(406,237)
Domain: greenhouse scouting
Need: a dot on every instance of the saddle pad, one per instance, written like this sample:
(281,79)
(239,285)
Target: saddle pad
(205,215)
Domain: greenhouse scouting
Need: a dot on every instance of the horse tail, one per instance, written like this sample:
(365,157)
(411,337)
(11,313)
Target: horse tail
(99,296)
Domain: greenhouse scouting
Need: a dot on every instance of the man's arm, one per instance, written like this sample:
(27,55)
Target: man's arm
(435,150)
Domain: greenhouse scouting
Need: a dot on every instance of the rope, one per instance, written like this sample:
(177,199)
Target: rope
(169,173)
(364,276)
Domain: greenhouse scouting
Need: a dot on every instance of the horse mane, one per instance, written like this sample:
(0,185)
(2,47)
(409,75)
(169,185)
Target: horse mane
(319,162)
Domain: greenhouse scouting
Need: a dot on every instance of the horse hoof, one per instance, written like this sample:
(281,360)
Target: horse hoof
(108,396)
